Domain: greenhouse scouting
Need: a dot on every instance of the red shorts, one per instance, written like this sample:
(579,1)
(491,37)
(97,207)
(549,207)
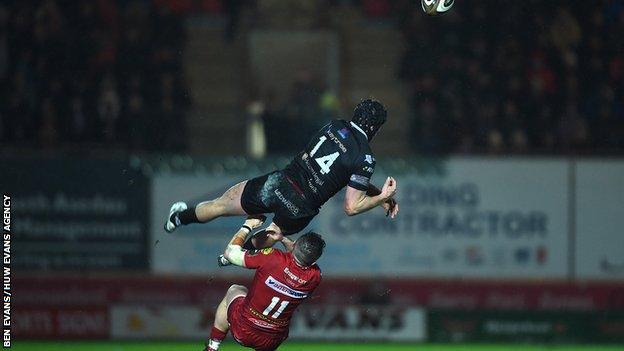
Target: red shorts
(244,332)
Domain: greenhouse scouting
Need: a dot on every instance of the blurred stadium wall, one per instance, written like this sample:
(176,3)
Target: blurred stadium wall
(505,136)
(484,250)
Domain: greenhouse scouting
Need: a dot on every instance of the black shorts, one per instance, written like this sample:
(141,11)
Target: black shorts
(274,193)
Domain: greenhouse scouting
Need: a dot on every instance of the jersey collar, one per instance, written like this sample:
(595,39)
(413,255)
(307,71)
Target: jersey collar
(301,265)
(359,129)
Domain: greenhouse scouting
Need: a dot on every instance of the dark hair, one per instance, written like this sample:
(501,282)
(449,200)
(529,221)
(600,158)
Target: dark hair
(308,248)
(369,115)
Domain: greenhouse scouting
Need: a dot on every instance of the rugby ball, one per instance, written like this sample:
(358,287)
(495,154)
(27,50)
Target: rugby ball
(436,7)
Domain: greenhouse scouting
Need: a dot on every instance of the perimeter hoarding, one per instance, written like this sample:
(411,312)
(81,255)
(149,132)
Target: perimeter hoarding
(175,307)
(325,322)
(525,326)
(473,217)
(599,218)
(77,213)
(194,248)
(62,322)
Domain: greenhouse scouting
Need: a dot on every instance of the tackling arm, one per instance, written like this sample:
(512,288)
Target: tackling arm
(234,251)
(289,245)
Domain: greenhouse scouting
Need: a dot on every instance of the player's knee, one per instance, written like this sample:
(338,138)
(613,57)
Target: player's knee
(237,289)
(219,204)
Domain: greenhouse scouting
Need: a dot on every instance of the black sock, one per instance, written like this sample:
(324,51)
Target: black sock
(188,216)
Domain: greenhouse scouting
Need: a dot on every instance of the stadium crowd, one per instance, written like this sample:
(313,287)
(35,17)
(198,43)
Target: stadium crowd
(532,77)
(541,77)
(91,73)
(524,77)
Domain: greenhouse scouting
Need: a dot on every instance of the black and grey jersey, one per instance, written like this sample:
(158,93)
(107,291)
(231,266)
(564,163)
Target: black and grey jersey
(337,155)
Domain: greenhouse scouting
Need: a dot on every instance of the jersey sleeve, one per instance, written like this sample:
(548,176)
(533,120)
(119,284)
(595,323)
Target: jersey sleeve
(363,169)
(258,258)
(316,282)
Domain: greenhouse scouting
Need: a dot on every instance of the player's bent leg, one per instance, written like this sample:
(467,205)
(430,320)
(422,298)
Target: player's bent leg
(221,326)
(228,204)
(233,292)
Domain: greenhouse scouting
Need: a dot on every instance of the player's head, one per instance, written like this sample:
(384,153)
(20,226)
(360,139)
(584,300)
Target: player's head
(369,115)
(308,248)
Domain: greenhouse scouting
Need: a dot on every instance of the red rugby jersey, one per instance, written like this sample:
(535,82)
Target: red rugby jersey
(279,286)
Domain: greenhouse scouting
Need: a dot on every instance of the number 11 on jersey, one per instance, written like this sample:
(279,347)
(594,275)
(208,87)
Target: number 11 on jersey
(324,162)
(271,306)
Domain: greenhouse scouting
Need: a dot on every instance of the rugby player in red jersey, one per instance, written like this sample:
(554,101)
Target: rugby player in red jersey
(259,317)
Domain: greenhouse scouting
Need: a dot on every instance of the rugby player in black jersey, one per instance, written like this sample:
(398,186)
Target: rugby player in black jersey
(338,155)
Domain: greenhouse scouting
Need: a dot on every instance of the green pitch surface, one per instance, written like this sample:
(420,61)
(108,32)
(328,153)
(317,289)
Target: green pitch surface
(293,346)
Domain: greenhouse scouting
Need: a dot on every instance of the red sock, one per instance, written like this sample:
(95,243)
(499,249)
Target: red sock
(216,336)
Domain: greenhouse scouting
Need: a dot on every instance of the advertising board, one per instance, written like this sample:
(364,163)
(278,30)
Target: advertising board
(599,217)
(77,214)
(506,219)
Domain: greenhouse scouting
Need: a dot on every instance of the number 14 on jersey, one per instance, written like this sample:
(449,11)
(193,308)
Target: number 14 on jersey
(325,162)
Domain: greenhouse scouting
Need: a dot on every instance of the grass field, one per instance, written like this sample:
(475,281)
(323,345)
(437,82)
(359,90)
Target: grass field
(294,346)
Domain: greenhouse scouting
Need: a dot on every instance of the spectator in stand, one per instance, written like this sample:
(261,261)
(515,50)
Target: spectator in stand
(136,124)
(108,108)
(233,10)
(541,77)
(48,133)
(68,72)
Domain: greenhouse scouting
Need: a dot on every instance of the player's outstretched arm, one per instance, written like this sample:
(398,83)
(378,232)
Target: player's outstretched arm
(358,201)
(234,251)
(391,206)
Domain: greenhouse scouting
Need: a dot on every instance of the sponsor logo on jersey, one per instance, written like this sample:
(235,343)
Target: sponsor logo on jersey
(359,179)
(337,141)
(289,205)
(262,323)
(312,187)
(344,133)
(368,169)
(369,158)
(294,277)
(315,175)
(267,251)
(284,289)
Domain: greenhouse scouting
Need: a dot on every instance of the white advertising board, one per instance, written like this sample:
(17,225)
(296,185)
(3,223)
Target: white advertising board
(359,323)
(162,322)
(599,219)
(475,217)
(193,248)
(329,322)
